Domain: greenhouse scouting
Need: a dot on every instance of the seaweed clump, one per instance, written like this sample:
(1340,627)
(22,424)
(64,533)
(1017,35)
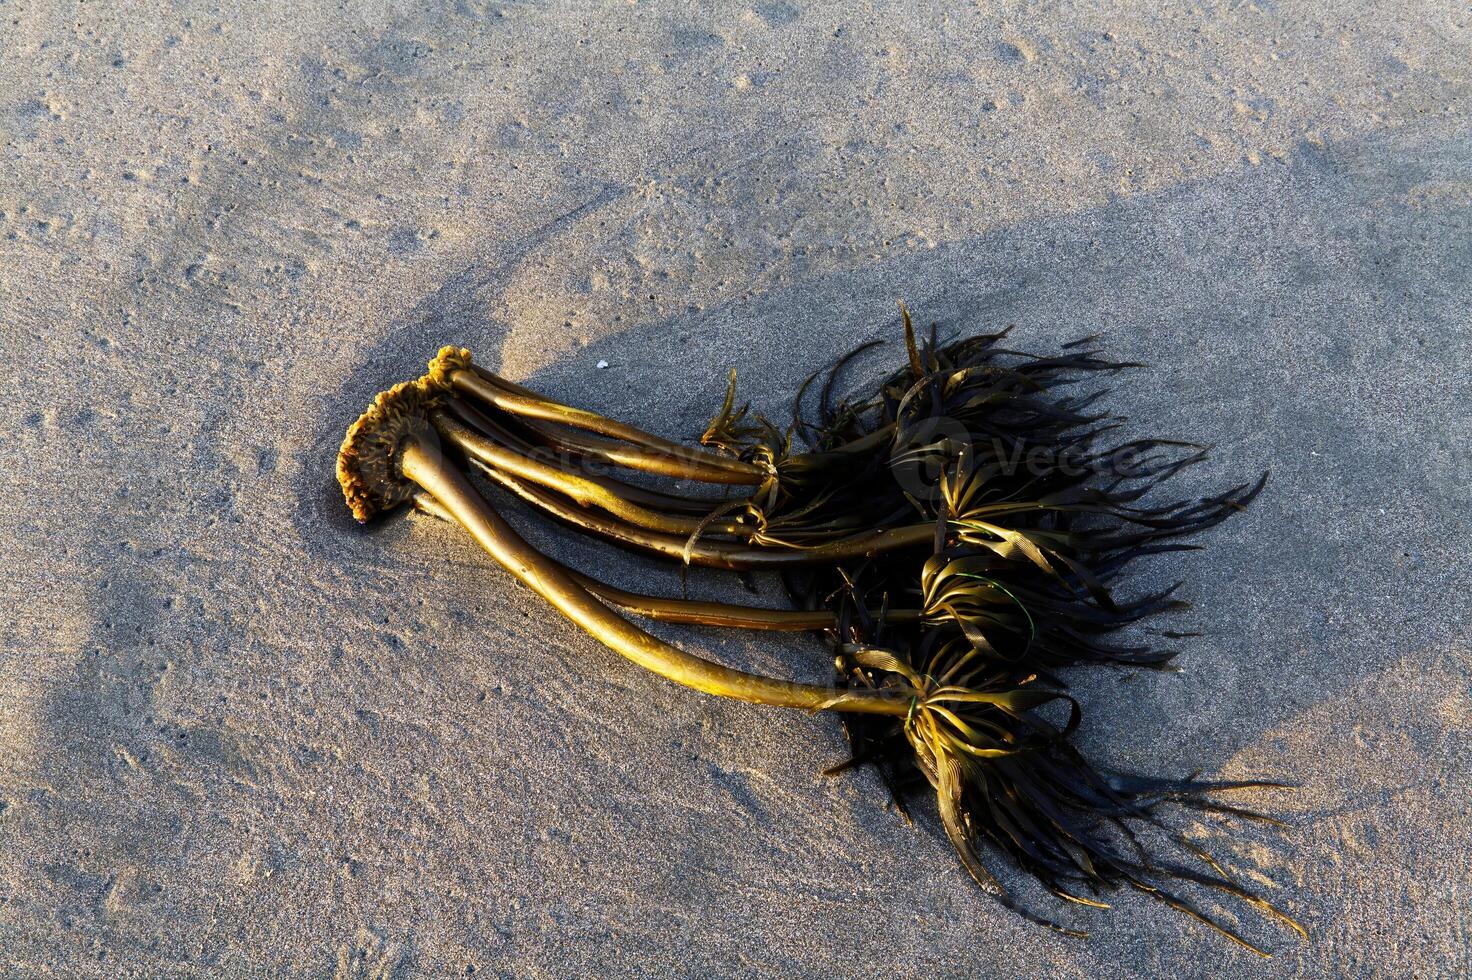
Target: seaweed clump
(957,537)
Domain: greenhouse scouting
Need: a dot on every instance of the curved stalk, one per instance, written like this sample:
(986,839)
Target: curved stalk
(695,464)
(426,467)
(644,496)
(699,612)
(693,612)
(710,554)
(585,492)
(651,463)
(615,453)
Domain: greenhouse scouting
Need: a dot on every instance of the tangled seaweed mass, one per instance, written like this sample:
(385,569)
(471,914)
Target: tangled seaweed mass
(955,537)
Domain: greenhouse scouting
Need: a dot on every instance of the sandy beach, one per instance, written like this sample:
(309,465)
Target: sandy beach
(242,736)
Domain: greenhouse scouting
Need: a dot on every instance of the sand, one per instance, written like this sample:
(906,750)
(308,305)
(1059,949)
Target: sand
(240,736)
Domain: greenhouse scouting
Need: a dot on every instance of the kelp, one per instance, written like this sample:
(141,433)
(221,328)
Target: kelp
(957,536)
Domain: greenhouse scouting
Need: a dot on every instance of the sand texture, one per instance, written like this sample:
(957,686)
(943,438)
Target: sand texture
(241,736)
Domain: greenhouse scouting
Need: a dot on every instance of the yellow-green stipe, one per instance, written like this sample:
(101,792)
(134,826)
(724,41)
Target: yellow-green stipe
(427,467)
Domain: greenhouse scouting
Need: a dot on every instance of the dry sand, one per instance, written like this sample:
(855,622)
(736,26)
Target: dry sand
(241,736)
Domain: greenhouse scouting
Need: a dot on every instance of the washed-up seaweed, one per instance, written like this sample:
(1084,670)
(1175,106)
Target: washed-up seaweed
(957,535)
